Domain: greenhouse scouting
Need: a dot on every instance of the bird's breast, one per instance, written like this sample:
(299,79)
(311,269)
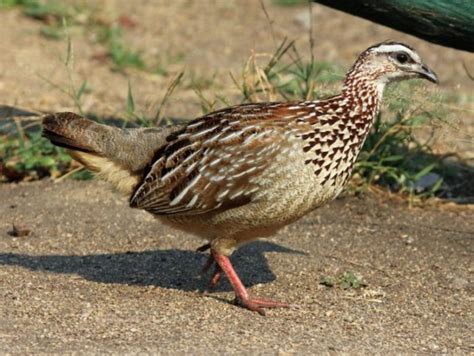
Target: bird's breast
(294,187)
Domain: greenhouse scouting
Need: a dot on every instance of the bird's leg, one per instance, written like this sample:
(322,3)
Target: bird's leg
(210,261)
(216,276)
(241,293)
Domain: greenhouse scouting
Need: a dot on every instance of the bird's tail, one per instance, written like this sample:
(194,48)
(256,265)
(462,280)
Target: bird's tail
(118,156)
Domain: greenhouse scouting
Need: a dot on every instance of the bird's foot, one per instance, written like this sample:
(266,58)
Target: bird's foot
(222,265)
(258,305)
(242,297)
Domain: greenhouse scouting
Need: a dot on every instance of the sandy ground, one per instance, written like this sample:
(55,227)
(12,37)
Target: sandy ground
(94,275)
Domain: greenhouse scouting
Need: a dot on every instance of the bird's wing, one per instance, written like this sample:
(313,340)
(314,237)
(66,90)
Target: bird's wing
(211,162)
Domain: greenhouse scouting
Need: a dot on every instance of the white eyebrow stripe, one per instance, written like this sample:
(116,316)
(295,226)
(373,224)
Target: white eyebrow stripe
(391,48)
(396,48)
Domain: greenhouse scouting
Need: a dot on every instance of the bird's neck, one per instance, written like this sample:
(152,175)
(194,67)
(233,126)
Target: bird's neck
(342,132)
(363,93)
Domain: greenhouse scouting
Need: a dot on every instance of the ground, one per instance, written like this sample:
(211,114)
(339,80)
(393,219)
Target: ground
(94,275)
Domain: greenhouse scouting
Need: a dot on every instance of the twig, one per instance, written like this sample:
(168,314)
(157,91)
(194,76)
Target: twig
(280,51)
(310,84)
(168,93)
(310,30)
(64,176)
(20,129)
(470,76)
(270,23)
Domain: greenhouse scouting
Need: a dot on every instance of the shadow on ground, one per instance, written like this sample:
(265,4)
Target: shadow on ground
(174,269)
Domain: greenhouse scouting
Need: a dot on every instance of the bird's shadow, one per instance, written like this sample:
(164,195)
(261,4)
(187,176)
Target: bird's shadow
(175,269)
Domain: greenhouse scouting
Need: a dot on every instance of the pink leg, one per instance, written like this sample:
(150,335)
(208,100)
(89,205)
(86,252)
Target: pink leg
(241,293)
(216,276)
(210,261)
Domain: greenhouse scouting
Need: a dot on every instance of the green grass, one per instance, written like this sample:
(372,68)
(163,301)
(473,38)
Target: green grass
(52,32)
(290,2)
(346,280)
(393,156)
(285,76)
(28,156)
(47,11)
(58,16)
(119,52)
(302,79)
(53,14)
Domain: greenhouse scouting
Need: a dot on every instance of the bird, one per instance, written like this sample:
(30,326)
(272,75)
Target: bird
(242,172)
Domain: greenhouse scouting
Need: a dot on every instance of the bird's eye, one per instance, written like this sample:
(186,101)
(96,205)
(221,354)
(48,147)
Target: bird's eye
(402,58)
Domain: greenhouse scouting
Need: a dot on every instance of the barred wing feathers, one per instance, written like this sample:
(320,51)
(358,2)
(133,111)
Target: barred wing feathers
(211,162)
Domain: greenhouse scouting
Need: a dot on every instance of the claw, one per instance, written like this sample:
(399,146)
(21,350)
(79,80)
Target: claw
(242,297)
(257,305)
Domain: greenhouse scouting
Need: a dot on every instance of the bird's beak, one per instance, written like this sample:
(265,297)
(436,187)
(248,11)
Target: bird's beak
(427,73)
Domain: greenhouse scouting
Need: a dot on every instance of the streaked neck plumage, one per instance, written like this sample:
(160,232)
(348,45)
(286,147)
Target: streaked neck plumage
(341,131)
(364,91)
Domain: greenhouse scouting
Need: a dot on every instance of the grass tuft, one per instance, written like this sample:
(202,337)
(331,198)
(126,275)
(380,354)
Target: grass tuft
(119,53)
(51,13)
(28,156)
(347,280)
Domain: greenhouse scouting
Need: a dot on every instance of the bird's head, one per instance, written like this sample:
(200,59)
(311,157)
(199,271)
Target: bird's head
(387,62)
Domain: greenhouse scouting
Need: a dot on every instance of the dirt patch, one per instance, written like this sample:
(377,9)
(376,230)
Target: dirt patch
(94,275)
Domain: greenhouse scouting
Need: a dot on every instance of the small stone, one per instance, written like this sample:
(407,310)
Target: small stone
(459,283)
(19,231)
(426,182)
(408,239)
(433,347)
